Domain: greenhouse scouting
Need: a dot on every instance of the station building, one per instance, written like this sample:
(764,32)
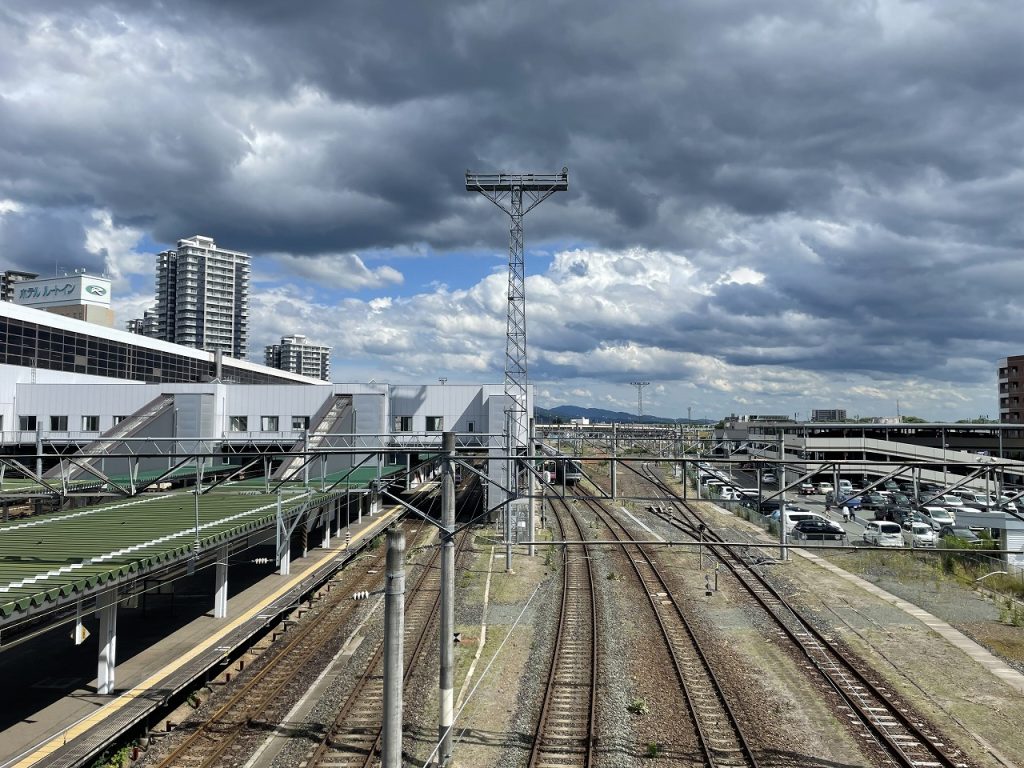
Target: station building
(65,383)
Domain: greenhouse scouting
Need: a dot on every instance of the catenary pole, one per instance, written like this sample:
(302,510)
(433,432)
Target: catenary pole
(447,632)
(394,628)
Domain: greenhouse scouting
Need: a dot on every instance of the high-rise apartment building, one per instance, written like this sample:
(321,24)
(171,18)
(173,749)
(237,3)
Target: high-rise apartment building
(146,325)
(296,355)
(202,297)
(829,415)
(9,279)
(1011,389)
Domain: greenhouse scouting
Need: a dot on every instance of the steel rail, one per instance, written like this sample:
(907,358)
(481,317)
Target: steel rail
(721,736)
(903,739)
(223,727)
(562,735)
(357,744)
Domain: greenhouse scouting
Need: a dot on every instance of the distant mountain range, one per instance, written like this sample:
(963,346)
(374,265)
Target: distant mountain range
(564,413)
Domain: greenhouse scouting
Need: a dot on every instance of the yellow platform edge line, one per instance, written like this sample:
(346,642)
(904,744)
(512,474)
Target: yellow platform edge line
(90,721)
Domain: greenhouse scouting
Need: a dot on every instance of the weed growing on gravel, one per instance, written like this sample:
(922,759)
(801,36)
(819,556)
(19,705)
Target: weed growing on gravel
(638,707)
(1011,613)
(653,749)
(613,576)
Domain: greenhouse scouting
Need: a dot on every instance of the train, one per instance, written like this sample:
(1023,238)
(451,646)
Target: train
(568,471)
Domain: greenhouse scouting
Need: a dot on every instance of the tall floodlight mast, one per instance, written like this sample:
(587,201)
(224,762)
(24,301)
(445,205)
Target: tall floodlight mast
(639,396)
(516,194)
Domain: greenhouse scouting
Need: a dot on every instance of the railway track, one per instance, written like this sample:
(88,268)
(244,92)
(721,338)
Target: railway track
(904,737)
(218,740)
(354,739)
(565,729)
(220,733)
(718,729)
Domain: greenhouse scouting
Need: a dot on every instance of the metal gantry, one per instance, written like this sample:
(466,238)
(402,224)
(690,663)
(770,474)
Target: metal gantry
(517,194)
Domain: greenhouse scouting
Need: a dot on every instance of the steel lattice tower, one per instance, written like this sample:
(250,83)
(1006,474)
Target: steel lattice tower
(508,191)
(639,396)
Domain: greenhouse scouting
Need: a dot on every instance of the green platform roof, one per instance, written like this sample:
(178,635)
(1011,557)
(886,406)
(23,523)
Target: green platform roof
(49,557)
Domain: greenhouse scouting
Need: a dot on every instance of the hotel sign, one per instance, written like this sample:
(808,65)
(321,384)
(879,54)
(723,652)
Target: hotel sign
(66,291)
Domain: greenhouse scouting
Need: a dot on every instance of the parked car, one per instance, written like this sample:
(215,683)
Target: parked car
(903,516)
(794,516)
(730,494)
(769,478)
(975,499)
(806,489)
(1005,503)
(938,517)
(883,533)
(950,500)
(917,534)
(824,488)
(872,501)
(818,529)
(842,498)
(964,534)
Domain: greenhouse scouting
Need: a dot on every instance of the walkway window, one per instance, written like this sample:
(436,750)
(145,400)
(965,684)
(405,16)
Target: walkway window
(90,423)
(435,423)
(300,422)
(27,423)
(239,423)
(58,423)
(403,423)
(268,423)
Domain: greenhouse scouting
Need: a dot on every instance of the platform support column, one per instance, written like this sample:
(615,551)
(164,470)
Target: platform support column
(531,484)
(394,629)
(374,500)
(328,515)
(284,544)
(220,595)
(107,609)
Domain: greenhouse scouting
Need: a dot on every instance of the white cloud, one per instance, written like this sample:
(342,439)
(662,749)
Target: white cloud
(344,271)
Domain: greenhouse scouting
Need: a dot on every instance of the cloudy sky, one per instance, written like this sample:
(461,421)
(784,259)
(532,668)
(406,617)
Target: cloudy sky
(774,205)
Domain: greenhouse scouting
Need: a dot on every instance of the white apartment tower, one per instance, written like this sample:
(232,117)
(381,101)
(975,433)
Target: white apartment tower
(296,355)
(202,297)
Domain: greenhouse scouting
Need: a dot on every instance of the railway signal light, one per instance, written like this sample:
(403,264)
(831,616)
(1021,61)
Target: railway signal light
(707,584)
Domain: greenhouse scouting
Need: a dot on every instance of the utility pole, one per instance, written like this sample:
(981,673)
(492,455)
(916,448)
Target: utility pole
(640,396)
(446,534)
(509,191)
(394,628)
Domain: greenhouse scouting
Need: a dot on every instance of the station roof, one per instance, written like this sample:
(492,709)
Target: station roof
(48,559)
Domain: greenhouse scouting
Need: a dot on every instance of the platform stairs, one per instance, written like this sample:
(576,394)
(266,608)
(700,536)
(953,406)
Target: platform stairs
(114,437)
(328,420)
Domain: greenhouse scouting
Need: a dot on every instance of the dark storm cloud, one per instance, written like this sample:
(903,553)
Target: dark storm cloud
(46,242)
(866,156)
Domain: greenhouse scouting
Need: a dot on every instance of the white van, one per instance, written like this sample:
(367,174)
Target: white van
(882,533)
(918,535)
(845,485)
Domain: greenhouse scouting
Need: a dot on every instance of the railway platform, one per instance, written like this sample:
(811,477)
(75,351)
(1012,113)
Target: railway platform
(71,728)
